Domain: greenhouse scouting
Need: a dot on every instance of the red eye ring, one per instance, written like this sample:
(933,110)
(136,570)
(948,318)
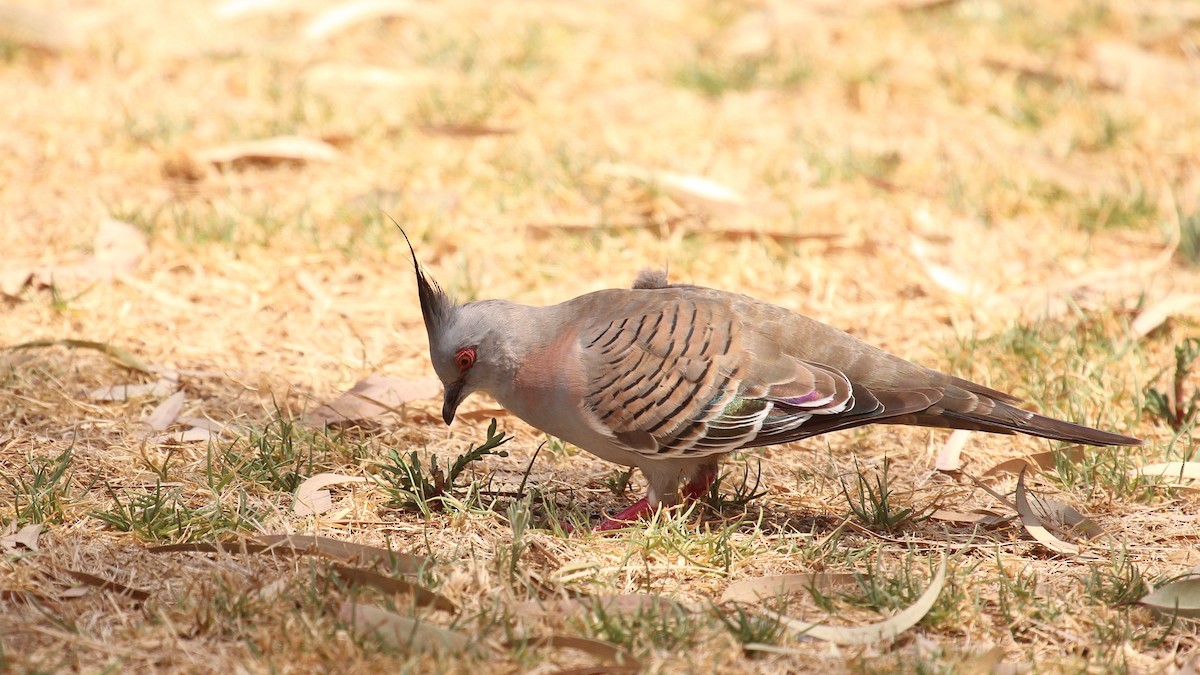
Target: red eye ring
(464,359)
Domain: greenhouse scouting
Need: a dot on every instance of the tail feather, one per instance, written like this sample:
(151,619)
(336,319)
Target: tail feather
(1003,418)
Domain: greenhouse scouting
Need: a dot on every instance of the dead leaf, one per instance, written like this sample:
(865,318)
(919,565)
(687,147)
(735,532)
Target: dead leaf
(770,587)
(1125,66)
(373,397)
(339,18)
(421,595)
(1041,460)
(873,633)
(606,651)
(980,517)
(1180,470)
(947,278)
(401,631)
(28,25)
(312,497)
(342,551)
(948,459)
(1063,517)
(1034,526)
(687,189)
(1178,598)
(118,355)
(983,663)
(466,130)
(27,536)
(108,585)
(163,386)
(271,150)
(1157,314)
(622,604)
(191,435)
(165,413)
(118,247)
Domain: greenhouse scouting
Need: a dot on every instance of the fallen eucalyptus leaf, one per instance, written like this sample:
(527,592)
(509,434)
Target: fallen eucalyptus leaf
(873,633)
(1180,470)
(769,587)
(401,631)
(1034,526)
(342,17)
(421,595)
(372,397)
(312,497)
(117,354)
(949,459)
(1178,598)
(165,413)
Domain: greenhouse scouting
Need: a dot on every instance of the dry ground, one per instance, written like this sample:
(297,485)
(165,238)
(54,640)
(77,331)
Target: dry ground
(995,188)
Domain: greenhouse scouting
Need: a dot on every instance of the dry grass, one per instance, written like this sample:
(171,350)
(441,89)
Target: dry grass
(932,177)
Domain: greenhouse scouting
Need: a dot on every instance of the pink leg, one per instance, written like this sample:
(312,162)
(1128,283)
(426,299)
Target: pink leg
(695,489)
(636,511)
(699,485)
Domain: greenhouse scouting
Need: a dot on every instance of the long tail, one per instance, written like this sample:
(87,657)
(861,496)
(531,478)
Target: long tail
(966,405)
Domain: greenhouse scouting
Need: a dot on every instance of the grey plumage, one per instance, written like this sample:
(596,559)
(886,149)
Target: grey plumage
(670,377)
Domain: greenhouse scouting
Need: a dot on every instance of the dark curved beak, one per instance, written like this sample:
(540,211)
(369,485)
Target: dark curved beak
(453,396)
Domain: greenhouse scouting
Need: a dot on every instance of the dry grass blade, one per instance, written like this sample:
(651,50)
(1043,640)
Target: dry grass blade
(403,632)
(312,497)
(1178,598)
(1034,526)
(108,585)
(766,588)
(165,413)
(342,551)
(615,605)
(421,595)
(118,355)
(1180,470)
(607,651)
(342,17)
(271,150)
(873,633)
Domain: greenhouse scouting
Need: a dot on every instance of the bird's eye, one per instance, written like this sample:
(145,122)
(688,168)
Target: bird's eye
(464,359)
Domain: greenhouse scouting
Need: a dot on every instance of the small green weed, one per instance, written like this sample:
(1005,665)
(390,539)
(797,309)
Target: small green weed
(413,486)
(871,501)
(1176,406)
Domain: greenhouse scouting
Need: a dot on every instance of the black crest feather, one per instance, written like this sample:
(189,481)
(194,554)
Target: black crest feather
(436,306)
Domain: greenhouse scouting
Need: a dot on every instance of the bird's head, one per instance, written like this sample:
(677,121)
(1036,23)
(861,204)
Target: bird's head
(465,343)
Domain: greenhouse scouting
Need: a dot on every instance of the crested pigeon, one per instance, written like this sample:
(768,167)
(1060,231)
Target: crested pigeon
(669,378)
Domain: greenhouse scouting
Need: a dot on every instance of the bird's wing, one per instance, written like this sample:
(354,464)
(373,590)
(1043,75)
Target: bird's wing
(685,372)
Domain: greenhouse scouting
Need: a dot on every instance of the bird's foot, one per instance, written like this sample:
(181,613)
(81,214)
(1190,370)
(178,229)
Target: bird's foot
(640,509)
(635,512)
